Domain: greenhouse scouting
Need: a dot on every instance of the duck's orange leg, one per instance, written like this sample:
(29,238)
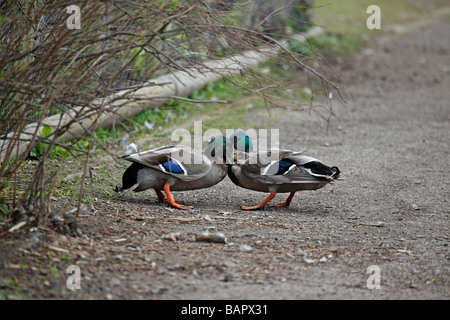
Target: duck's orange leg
(171,200)
(160,195)
(262,204)
(287,202)
(162,198)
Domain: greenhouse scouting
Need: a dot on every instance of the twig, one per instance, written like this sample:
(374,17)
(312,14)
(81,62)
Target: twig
(377,224)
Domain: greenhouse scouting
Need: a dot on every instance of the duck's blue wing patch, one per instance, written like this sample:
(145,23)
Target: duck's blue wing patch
(172,166)
(284,166)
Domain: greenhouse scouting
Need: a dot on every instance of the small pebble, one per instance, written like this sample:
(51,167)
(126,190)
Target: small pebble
(245,248)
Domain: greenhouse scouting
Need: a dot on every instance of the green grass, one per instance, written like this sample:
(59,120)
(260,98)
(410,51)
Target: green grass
(349,17)
(329,44)
(344,22)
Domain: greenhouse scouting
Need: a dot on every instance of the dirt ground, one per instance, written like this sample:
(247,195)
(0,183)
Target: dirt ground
(390,210)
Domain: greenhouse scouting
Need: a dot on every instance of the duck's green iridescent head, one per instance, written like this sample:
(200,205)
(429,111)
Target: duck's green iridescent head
(241,141)
(219,149)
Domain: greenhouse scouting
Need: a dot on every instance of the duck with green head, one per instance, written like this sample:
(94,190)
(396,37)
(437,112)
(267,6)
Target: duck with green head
(287,172)
(174,168)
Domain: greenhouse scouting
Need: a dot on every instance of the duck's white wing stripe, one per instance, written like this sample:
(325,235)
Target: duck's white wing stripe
(267,168)
(290,168)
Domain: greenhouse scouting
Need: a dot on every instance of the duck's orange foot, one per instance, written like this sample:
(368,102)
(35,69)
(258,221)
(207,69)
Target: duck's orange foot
(180,206)
(286,203)
(261,205)
(281,204)
(171,200)
(257,207)
(162,198)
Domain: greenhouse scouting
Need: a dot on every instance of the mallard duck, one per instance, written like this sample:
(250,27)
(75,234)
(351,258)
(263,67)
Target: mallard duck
(177,168)
(290,171)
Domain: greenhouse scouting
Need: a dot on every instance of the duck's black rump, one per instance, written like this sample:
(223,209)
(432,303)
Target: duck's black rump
(129,177)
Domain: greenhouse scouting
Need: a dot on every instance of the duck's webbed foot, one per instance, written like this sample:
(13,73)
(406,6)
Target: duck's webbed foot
(162,198)
(172,201)
(261,205)
(286,203)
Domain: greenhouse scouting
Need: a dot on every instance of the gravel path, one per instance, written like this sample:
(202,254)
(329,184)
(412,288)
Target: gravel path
(391,209)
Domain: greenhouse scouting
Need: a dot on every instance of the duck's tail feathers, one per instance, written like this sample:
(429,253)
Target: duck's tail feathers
(336,172)
(125,191)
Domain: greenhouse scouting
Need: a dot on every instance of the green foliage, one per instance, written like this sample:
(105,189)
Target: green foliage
(233,18)
(138,61)
(41,147)
(328,43)
(4,207)
(158,116)
(168,4)
(336,43)
(66,188)
(300,48)
(46,131)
